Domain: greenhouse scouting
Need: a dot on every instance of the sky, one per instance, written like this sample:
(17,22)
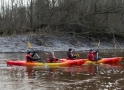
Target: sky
(8,3)
(3,2)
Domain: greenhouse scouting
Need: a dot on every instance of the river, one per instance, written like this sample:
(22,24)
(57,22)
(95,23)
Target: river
(95,77)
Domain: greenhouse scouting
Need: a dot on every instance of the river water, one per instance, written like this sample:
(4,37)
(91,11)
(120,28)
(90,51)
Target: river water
(95,77)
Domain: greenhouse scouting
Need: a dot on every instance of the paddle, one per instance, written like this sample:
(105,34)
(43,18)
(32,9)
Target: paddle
(77,55)
(98,50)
(29,44)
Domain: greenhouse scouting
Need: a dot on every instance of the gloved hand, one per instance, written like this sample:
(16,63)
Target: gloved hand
(34,52)
(39,60)
(74,56)
(97,51)
(57,59)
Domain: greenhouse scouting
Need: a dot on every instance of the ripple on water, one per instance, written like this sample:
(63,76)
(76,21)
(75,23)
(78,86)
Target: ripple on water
(120,83)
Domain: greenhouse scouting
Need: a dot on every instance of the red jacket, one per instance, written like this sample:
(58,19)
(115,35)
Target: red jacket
(90,55)
(27,55)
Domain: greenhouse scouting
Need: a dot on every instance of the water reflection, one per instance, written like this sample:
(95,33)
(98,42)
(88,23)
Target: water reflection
(64,78)
(110,68)
(85,77)
(93,69)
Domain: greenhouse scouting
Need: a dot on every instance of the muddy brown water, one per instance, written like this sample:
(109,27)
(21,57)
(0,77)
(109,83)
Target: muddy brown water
(96,77)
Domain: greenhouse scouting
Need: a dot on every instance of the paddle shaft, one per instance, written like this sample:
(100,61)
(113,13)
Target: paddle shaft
(39,57)
(97,54)
(29,44)
(98,50)
(36,53)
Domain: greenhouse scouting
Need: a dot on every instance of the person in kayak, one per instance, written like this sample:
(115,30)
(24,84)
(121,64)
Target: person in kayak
(91,55)
(70,55)
(29,57)
(51,57)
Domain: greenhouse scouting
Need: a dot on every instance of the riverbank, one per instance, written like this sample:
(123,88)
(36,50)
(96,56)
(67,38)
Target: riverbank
(18,43)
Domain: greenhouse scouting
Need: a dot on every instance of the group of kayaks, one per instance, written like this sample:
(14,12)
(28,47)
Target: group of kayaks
(64,62)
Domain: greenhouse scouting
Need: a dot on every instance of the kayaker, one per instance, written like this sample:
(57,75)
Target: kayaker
(70,55)
(51,57)
(29,57)
(91,55)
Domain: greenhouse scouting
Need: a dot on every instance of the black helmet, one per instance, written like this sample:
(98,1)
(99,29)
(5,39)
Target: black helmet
(91,49)
(28,52)
(69,49)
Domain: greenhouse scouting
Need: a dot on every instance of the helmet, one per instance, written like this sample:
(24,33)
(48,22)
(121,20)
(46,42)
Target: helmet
(91,49)
(28,52)
(69,49)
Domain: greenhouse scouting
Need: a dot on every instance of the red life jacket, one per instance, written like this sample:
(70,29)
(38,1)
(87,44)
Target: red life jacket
(27,55)
(53,61)
(90,56)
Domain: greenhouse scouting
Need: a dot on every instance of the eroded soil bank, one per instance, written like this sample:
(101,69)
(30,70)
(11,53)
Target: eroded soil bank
(18,43)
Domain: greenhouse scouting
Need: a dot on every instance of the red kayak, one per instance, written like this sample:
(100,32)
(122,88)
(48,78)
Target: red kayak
(103,60)
(64,62)
(110,60)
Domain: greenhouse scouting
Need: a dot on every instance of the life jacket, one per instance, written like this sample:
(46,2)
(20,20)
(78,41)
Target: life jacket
(53,61)
(69,58)
(90,56)
(27,60)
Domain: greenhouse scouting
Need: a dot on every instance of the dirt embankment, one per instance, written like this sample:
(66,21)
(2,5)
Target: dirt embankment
(18,43)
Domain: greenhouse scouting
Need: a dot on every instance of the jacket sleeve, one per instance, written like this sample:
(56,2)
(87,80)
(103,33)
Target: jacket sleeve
(33,54)
(94,53)
(29,58)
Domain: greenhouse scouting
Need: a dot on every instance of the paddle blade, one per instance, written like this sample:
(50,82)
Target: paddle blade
(99,43)
(29,44)
(77,55)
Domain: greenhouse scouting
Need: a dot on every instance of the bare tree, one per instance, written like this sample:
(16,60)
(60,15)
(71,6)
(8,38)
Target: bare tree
(82,17)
